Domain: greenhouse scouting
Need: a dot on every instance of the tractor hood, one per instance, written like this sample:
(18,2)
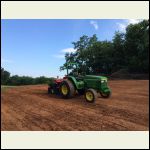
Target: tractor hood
(95,77)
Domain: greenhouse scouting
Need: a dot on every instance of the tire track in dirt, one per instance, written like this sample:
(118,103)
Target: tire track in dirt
(33,109)
(60,110)
(110,111)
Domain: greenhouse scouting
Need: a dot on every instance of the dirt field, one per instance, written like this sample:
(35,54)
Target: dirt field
(31,108)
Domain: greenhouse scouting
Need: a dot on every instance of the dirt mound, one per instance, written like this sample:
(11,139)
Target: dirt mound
(124,74)
(30,108)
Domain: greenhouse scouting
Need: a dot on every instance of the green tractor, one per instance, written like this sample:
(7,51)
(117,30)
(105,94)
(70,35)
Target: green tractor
(88,85)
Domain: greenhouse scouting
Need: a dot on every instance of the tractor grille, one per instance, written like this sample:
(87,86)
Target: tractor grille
(103,83)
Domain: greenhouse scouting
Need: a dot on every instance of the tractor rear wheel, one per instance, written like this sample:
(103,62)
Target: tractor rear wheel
(91,95)
(67,89)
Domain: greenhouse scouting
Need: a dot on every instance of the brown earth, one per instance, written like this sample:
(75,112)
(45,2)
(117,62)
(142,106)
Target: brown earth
(31,108)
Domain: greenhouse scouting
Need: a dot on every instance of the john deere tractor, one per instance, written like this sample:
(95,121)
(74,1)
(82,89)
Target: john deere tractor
(88,85)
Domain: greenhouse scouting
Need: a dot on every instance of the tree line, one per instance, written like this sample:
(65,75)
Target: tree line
(6,79)
(129,50)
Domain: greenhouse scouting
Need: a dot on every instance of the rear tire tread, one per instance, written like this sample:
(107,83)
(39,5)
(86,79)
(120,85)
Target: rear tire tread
(70,87)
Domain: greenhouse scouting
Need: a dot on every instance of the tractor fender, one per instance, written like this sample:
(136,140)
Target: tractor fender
(73,80)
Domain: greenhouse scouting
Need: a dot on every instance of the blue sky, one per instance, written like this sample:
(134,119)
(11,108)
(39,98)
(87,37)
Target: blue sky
(36,47)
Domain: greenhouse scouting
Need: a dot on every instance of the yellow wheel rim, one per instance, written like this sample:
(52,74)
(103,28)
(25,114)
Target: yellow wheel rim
(89,96)
(64,89)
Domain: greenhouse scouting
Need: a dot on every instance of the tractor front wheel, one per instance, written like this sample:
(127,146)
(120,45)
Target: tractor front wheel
(67,89)
(91,95)
(105,95)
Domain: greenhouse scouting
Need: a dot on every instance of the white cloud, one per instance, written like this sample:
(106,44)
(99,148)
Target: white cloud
(133,21)
(6,61)
(68,50)
(62,52)
(94,24)
(122,26)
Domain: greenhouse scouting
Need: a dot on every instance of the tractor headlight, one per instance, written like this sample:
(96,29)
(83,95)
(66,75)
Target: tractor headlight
(102,81)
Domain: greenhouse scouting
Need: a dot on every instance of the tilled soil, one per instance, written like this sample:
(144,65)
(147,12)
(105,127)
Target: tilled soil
(30,108)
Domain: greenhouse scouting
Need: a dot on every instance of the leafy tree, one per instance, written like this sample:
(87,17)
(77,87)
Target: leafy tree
(6,79)
(4,76)
(137,47)
(14,80)
(119,53)
(128,50)
(81,47)
(41,80)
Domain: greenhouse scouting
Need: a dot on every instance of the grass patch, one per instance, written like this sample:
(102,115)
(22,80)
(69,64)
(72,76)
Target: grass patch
(5,87)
